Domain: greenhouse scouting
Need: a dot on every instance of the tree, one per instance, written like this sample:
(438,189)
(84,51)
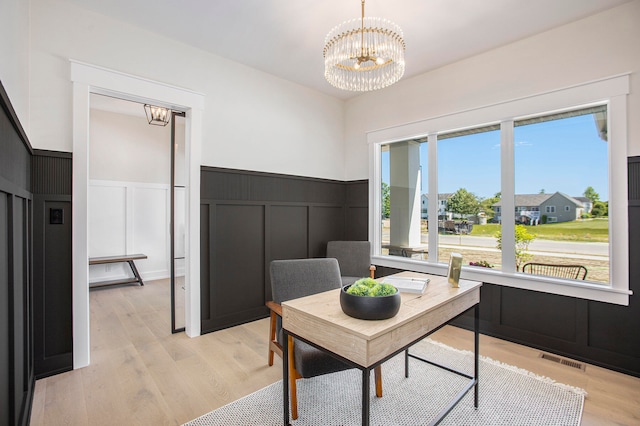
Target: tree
(541,191)
(600,209)
(386,201)
(523,239)
(591,194)
(463,202)
(486,205)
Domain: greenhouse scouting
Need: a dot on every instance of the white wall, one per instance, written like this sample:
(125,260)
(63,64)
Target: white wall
(600,46)
(127,148)
(14,56)
(253,120)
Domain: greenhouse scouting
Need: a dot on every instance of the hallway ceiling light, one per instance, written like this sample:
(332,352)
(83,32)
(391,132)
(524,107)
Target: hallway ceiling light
(364,54)
(158,116)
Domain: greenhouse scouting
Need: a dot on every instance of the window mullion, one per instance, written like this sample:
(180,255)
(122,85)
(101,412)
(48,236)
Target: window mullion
(433,197)
(507,160)
(375,207)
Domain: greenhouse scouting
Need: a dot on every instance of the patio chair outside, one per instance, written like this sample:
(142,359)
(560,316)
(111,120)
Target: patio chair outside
(574,272)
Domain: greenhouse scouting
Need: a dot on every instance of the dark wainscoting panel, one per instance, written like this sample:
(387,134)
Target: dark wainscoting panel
(288,232)
(250,218)
(6,328)
(15,149)
(357,211)
(52,279)
(326,223)
(205,267)
(539,313)
(20,297)
(238,263)
(17,379)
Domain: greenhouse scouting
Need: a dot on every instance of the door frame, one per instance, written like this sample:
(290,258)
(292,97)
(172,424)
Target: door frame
(87,79)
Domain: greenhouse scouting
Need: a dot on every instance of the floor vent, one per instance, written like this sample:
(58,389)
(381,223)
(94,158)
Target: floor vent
(568,362)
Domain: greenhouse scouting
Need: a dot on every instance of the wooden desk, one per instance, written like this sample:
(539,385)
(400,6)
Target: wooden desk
(129,258)
(319,321)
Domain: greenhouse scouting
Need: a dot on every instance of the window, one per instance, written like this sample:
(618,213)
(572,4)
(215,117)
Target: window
(469,179)
(447,188)
(578,166)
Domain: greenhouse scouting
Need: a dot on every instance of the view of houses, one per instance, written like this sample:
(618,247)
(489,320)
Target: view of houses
(531,209)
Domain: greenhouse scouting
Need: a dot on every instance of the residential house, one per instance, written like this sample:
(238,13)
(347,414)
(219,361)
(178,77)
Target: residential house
(442,206)
(587,203)
(276,168)
(533,209)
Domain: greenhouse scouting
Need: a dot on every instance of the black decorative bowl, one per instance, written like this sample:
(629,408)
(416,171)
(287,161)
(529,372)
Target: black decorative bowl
(369,307)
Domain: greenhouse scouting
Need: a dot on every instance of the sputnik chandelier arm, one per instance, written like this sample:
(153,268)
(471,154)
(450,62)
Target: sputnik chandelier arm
(364,54)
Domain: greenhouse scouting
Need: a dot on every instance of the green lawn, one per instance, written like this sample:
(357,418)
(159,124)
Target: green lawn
(580,230)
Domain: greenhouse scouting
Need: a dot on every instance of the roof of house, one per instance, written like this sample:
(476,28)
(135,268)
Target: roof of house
(535,200)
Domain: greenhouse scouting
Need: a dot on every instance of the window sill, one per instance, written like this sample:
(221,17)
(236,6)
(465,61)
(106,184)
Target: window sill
(561,287)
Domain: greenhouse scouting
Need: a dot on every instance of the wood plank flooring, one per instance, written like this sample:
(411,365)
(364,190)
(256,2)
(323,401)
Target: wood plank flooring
(141,374)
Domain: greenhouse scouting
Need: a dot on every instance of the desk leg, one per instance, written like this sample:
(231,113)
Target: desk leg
(406,363)
(476,343)
(366,375)
(285,377)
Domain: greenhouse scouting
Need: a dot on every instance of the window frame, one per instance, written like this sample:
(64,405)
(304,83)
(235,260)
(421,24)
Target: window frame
(611,91)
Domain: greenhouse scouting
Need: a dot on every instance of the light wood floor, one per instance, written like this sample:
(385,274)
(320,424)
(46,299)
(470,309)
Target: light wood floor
(141,374)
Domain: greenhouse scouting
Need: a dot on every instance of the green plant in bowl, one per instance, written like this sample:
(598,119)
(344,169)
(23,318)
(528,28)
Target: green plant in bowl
(370,300)
(371,287)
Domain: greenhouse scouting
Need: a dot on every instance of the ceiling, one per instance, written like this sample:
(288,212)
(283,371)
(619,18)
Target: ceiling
(286,37)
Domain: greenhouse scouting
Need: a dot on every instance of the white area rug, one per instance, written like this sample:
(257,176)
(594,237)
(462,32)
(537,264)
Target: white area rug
(508,396)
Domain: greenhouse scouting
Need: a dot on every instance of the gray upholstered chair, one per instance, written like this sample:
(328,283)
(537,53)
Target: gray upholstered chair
(291,279)
(354,258)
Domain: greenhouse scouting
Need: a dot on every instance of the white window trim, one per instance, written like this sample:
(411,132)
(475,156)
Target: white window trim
(611,91)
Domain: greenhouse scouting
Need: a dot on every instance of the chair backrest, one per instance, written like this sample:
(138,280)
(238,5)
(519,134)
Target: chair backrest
(576,272)
(354,257)
(295,278)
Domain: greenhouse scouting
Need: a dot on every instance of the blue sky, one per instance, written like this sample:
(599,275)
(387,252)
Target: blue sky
(564,155)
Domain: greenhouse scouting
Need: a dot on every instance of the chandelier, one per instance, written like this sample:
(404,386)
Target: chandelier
(364,54)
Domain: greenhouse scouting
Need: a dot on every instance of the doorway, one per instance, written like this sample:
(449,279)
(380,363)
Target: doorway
(87,79)
(137,201)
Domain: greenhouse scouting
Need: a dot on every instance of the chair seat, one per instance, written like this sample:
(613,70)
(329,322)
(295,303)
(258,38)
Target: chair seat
(311,362)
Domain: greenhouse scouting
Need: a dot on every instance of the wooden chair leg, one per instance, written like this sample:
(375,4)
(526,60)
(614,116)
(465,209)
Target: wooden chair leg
(377,372)
(272,335)
(293,376)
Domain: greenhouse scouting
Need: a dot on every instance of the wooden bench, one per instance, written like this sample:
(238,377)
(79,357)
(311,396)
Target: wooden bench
(129,258)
